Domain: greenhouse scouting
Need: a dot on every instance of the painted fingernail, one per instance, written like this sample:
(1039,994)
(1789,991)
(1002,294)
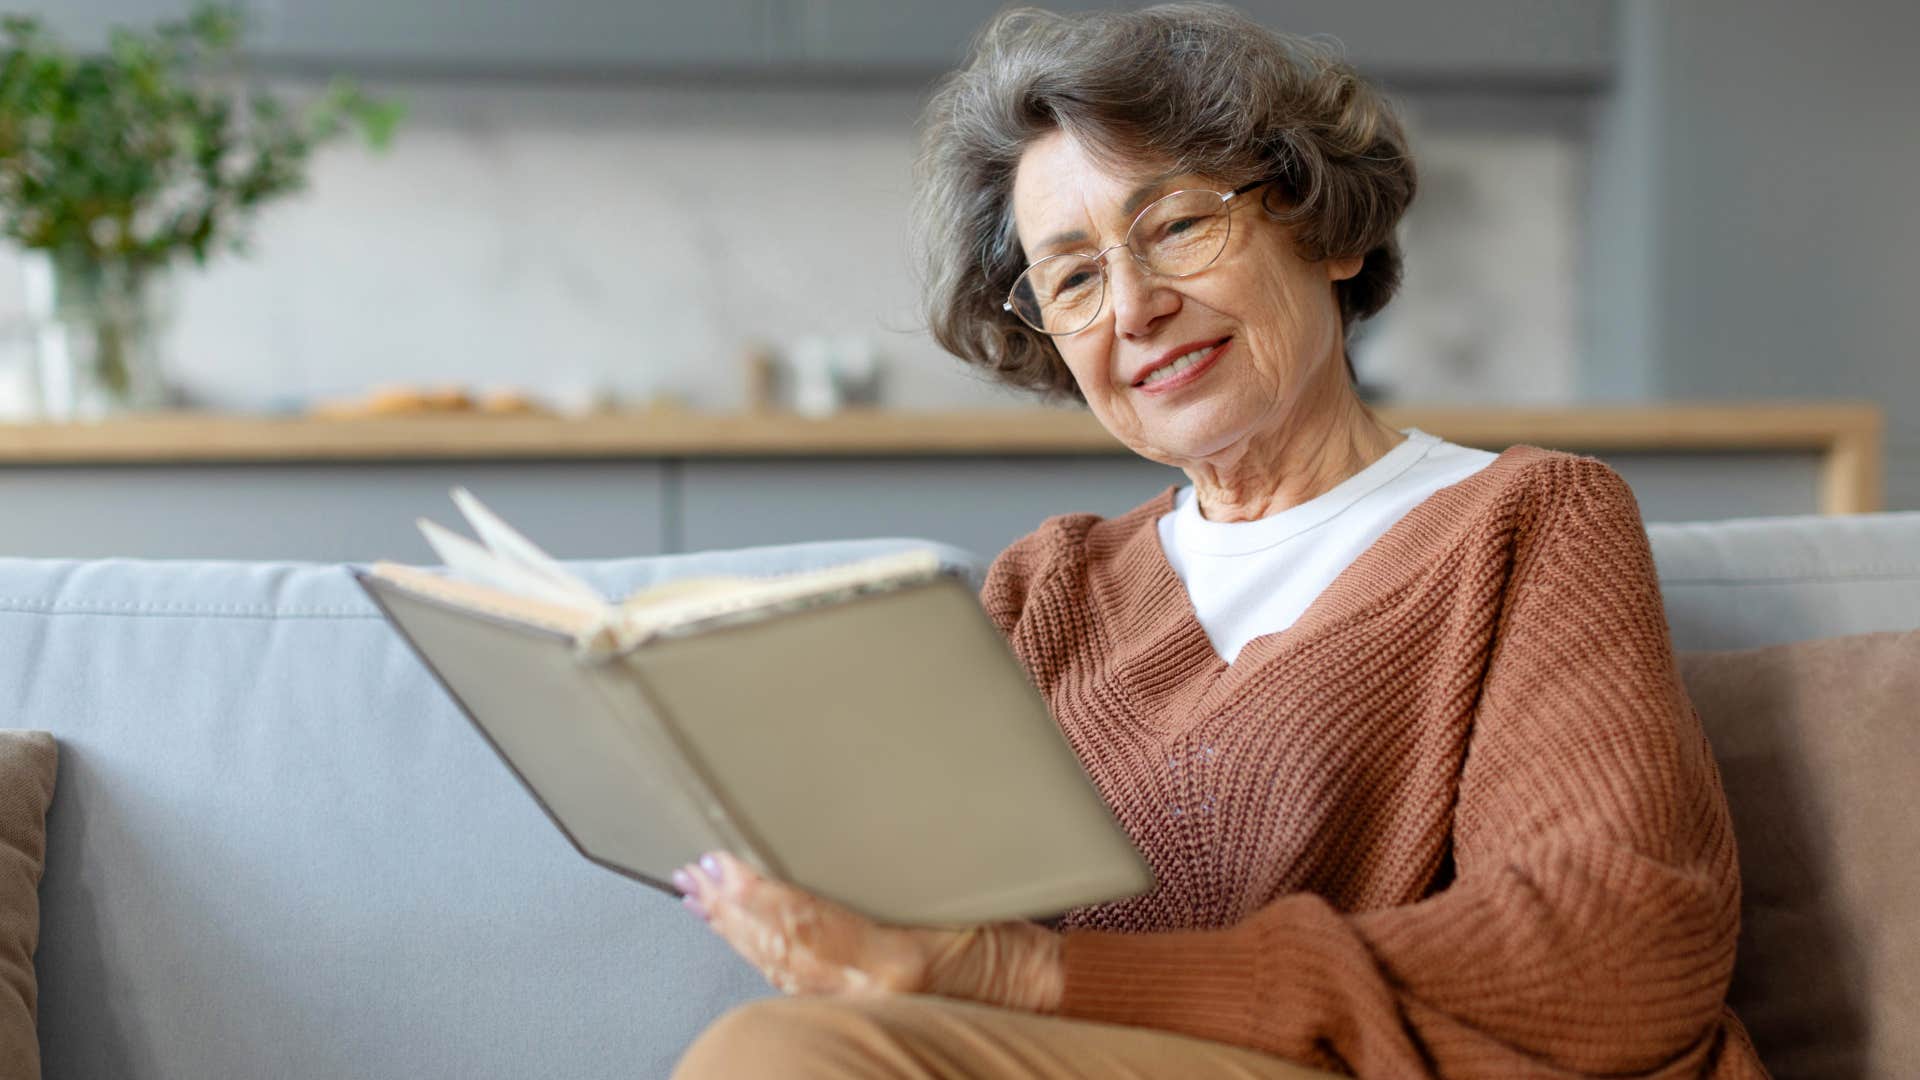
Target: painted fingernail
(711,864)
(693,904)
(684,882)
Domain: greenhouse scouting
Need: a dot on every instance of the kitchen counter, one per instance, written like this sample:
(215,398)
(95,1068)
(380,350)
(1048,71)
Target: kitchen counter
(1845,435)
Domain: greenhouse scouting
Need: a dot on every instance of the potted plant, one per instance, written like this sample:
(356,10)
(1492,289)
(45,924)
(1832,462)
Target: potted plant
(116,166)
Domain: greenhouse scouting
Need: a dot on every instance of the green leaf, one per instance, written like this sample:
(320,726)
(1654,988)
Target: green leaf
(380,119)
(91,145)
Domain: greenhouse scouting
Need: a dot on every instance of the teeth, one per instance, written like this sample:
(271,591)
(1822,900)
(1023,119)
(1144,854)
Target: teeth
(1169,370)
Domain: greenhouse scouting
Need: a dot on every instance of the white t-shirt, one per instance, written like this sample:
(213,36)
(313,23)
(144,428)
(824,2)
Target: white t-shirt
(1248,578)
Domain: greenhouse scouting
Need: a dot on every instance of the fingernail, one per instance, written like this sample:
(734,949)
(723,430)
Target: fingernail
(711,864)
(684,882)
(693,904)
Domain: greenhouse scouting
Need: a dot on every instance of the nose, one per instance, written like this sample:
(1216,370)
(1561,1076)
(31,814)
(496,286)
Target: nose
(1140,298)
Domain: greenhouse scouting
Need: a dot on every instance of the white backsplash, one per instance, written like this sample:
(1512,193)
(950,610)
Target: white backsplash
(638,237)
(1486,313)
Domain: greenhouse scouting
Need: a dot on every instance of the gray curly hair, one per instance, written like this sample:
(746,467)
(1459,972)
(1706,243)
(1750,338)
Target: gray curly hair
(1195,85)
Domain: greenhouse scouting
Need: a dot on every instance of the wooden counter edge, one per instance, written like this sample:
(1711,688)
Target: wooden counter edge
(1847,434)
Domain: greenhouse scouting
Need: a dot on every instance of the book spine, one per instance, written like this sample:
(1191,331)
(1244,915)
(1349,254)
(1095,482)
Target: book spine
(696,789)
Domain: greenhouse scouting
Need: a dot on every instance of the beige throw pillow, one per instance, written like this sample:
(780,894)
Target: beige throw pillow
(1819,747)
(28,761)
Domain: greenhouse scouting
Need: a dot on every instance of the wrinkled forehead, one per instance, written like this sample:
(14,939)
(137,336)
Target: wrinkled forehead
(1066,197)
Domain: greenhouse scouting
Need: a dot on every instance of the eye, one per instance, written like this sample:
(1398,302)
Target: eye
(1075,280)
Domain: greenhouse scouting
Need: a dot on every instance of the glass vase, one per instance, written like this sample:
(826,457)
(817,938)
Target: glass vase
(100,326)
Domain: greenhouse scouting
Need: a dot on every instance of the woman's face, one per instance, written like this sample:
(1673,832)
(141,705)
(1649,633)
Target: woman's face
(1265,321)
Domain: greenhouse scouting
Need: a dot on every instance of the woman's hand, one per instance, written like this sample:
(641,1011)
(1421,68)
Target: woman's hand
(806,945)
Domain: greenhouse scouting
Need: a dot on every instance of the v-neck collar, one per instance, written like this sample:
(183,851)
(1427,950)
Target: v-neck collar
(1162,660)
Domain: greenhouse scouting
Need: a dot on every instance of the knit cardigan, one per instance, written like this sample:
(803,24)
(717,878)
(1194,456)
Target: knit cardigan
(1459,820)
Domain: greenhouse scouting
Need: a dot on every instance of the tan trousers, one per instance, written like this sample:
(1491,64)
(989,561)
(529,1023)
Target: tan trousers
(911,1037)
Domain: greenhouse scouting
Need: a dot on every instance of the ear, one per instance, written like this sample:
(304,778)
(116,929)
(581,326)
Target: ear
(1343,268)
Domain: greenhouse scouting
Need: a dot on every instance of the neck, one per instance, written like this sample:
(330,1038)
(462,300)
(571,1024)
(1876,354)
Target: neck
(1299,460)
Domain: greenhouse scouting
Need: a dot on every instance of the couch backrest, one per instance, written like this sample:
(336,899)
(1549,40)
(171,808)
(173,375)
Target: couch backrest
(1765,581)
(276,849)
(1816,750)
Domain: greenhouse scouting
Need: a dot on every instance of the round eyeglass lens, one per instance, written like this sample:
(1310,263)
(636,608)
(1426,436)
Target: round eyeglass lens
(1179,235)
(1060,294)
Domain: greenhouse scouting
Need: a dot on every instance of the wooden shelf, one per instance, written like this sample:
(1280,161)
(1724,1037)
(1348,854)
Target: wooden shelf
(1846,434)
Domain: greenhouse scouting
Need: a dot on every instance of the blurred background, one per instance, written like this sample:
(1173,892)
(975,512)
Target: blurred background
(640,209)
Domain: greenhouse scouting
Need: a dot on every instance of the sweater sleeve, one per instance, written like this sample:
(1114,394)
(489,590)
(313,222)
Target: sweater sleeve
(1589,926)
(1010,579)
(1024,570)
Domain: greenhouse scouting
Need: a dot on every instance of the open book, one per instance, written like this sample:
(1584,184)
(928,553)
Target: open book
(862,731)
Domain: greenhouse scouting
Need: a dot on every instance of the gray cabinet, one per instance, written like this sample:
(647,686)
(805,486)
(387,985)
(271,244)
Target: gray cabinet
(1468,41)
(586,509)
(877,35)
(984,503)
(520,36)
(913,38)
(84,24)
(321,513)
(981,504)
(1460,41)
(1567,42)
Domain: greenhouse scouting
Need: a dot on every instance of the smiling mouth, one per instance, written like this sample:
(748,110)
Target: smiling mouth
(1173,368)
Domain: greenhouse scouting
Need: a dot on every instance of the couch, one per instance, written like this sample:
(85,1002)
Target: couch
(275,849)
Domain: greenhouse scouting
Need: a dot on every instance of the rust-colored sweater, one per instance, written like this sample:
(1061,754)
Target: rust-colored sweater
(1459,820)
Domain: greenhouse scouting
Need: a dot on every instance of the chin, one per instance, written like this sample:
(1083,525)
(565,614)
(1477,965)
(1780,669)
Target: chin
(1194,432)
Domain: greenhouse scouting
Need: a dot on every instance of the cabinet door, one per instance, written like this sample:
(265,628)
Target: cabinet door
(1559,41)
(980,504)
(84,24)
(321,513)
(1562,41)
(1715,485)
(518,36)
(983,504)
(913,37)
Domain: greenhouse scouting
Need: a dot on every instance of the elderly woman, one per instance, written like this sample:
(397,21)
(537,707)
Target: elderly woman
(1395,722)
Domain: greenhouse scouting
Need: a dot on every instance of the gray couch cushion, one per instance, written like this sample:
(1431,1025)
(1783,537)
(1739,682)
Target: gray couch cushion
(277,849)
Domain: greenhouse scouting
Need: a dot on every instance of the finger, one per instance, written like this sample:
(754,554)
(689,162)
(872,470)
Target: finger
(713,879)
(748,911)
(733,878)
(690,899)
(726,882)
(799,941)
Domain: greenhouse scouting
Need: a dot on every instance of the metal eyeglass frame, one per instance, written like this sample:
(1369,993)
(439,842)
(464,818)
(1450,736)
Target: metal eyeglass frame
(1099,258)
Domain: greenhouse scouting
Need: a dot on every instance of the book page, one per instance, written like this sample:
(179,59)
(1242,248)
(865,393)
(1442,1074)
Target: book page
(511,577)
(686,589)
(507,560)
(563,618)
(469,561)
(678,604)
(506,544)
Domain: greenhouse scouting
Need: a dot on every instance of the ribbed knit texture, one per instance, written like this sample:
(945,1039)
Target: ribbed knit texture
(1459,820)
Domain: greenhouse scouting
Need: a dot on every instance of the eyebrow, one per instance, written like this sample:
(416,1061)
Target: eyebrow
(1134,202)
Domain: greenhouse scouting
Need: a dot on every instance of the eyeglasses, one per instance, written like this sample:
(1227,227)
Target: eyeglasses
(1176,236)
